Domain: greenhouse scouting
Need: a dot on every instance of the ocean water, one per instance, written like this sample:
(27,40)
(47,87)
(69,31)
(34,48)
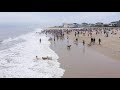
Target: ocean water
(18,49)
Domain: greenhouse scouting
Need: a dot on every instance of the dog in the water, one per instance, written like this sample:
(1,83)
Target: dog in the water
(47,58)
(44,58)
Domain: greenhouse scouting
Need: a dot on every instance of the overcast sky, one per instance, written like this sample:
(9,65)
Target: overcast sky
(57,18)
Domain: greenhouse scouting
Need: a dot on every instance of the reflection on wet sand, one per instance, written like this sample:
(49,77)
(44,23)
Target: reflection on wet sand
(81,61)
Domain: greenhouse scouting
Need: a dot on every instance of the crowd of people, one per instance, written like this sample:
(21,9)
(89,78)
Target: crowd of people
(76,34)
(61,33)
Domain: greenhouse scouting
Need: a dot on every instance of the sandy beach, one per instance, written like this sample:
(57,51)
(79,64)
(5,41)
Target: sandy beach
(110,46)
(80,61)
(60,45)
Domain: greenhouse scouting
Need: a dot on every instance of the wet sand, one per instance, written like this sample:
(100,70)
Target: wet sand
(84,62)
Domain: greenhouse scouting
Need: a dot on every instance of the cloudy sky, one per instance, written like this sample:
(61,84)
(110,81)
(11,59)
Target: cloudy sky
(57,18)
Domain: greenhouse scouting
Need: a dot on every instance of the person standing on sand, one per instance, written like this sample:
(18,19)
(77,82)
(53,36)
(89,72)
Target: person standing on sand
(76,39)
(67,37)
(91,34)
(91,40)
(40,40)
(94,40)
(37,57)
(83,42)
(63,34)
(106,34)
(54,37)
(75,34)
(99,41)
(96,32)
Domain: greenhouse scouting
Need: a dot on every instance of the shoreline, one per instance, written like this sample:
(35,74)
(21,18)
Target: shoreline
(50,46)
(20,61)
(83,61)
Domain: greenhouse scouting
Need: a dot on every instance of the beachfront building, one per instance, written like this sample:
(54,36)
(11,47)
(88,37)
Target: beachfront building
(70,25)
(79,25)
(84,24)
(106,25)
(113,24)
(118,23)
(57,27)
(99,24)
(91,25)
(75,25)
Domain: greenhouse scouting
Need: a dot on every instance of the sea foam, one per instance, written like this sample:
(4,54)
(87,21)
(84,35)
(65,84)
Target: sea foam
(20,62)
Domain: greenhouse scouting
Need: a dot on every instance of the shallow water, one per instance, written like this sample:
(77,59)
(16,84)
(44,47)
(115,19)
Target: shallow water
(83,62)
(17,57)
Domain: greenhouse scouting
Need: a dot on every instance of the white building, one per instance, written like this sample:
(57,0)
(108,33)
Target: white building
(84,24)
(118,23)
(91,25)
(113,24)
(99,24)
(70,25)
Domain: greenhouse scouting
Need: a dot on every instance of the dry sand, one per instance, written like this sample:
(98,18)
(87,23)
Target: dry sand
(110,46)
